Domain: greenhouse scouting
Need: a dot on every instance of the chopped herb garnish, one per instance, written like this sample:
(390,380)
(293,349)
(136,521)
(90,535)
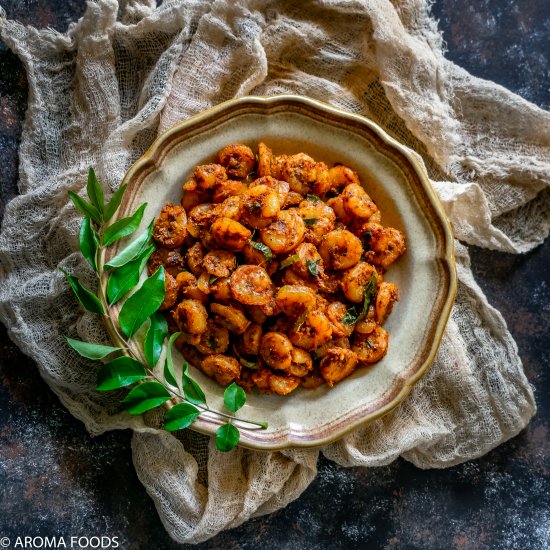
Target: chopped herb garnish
(289,261)
(334,192)
(262,248)
(213,279)
(313,268)
(366,240)
(248,364)
(351,317)
(311,221)
(212,342)
(312,198)
(301,320)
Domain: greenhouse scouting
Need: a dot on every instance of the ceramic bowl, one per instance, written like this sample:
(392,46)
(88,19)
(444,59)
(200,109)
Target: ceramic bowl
(426,274)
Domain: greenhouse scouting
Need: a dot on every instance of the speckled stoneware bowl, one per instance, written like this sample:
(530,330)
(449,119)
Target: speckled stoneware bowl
(426,274)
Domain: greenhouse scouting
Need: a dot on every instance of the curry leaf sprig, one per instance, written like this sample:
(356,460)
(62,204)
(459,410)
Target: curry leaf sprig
(139,325)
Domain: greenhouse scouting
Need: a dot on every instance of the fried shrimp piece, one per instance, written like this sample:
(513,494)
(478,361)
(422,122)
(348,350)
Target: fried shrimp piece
(365,326)
(260,206)
(276,350)
(229,188)
(357,203)
(171,292)
(279,186)
(190,316)
(214,340)
(355,281)
(337,205)
(191,198)
(230,234)
(251,339)
(387,295)
(172,260)
(237,159)
(170,227)
(340,176)
(340,249)
(195,256)
(200,219)
(283,385)
(224,369)
(337,364)
(304,174)
(293,199)
(208,176)
(285,233)
(219,263)
(220,290)
(295,299)
(301,362)
(386,244)
(336,314)
(307,255)
(265,156)
(253,256)
(251,285)
(230,208)
(319,219)
(372,347)
(187,285)
(313,332)
(230,317)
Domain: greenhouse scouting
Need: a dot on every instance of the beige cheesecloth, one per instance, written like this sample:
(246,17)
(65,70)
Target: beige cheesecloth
(99,95)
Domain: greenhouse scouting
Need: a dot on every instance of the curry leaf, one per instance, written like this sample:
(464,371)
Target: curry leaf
(134,249)
(145,396)
(85,207)
(312,198)
(180,416)
(227,436)
(289,261)
(264,249)
(311,221)
(119,372)
(89,350)
(169,374)
(88,241)
(313,268)
(154,338)
(125,226)
(191,389)
(234,397)
(85,297)
(114,203)
(140,305)
(95,192)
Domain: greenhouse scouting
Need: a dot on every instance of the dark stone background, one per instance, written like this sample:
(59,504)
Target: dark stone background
(57,480)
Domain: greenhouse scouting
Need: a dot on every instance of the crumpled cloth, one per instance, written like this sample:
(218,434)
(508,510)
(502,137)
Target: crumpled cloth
(99,95)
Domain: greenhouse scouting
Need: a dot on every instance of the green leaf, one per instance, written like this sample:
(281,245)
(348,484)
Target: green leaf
(145,396)
(88,241)
(85,207)
(313,267)
(169,374)
(262,248)
(289,261)
(123,279)
(370,289)
(248,364)
(119,372)
(95,193)
(89,350)
(180,416)
(140,305)
(191,389)
(350,317)
(227,437)
(85,297)
(311,221)
(312,198)
(114,203)
(154,338)
(134,249)
(125,226)
(234,397)
(212,279)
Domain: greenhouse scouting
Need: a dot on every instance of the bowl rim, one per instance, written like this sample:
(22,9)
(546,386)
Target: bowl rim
(153,158)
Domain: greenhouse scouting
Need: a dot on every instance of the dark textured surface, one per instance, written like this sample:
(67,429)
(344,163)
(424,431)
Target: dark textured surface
(56,480)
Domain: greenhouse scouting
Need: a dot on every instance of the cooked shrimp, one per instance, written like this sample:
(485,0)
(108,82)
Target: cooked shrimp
(224,369)
(172,260)
(365,326)
(187,285)
(200,219)
(220,290)
(171,292)
(265,156)
(253,256)
(190,199)
(233,319)
(302,172)
(388,294)
(340,176)
(256,314)
(230,234)
(238,160)
(357,203)
(307,255)
(337,205)
(203,282)
(386,244)
(301,362)
(372,347)
(337,364)
(220,263)
(276,350)
(312,208)
(195,256)
(214,340)
(271,308)
(336,314)
(251,339)
(170,227)
(295,299)
(285,233)
(209,176)
(279,186)
(314,331)
(260,206)
(340,249)
(251,285)
(293,199)
(190,316)
(229,188)
(230,208)
(283,385)
(355,281)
